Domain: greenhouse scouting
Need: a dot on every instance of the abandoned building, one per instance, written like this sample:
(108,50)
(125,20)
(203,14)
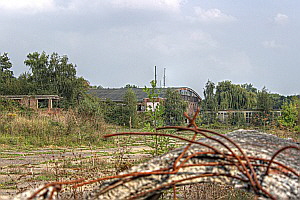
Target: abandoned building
(117,95)
(35,101)
(249,116)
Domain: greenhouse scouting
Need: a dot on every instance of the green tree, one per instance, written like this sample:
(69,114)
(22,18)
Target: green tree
(130,111)
(209,102)
(265,104)
(249,87)
(210,106)
(289,114)
(40,75)
(251,100)
(5,65)
(155,114)
(113,113)
(227,96)
(234,96)
(90,107)
(55,75)
(6,75)
(24,85)
(264,100)
(278,100)
(223,95)
(174,107)
(154,111)
(125,113)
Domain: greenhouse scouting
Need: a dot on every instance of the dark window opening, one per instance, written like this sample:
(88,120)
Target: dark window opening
(43,103)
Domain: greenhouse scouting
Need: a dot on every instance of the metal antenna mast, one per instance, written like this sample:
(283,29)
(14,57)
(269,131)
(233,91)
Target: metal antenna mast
(155,76)
(164,77)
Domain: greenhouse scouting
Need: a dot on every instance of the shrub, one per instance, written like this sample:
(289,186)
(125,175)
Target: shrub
(289,116)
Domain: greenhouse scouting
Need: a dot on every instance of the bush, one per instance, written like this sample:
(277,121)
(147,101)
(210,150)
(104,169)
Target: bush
(289,116)
(90,106)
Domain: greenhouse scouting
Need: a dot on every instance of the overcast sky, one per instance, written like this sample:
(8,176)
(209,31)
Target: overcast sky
(116,42)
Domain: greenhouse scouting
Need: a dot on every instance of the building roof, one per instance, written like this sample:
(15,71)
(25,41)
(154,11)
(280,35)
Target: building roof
(31,96)
(117,94)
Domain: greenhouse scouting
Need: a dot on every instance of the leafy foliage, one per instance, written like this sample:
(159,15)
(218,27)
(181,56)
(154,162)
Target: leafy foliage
(155,115)
(264,100)
(278,100)
(249,87)
(6,75)
(174,107)
(48,75)
(154,111)
(5,65)
(236,119)
(209,102)
(130,111)
(289,115)
(7,105)
(55,75)
(122,113)
(228,96)
(113,113)
(90,106)
(235,97)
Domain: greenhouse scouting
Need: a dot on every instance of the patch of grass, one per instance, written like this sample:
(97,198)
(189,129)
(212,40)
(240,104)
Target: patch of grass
(8,186)
(45,177)
(3,155)
(105,153)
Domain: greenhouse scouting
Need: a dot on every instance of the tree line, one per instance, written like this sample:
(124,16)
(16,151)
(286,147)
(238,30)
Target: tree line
(226,96)
(47,74)
(54,74)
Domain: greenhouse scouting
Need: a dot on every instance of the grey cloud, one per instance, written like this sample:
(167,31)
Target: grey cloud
(213,15)
(115,44)
(281,19)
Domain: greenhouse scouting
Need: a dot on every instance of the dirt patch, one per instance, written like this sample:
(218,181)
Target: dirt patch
(20,170)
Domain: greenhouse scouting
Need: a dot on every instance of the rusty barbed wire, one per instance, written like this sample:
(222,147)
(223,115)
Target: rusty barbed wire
(244,163)
(278,152)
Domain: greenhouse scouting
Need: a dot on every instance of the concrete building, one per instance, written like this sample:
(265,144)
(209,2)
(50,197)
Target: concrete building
(249,115)
(35,101)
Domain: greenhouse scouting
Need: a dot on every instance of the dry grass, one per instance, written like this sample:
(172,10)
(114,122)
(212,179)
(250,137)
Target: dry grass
(39,130)
(295,136)
(212,191)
